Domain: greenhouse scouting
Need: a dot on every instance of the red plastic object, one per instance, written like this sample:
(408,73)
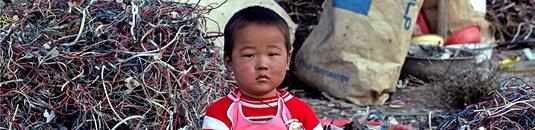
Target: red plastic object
(422,23)
(470,34)
(398,127)
(374,123)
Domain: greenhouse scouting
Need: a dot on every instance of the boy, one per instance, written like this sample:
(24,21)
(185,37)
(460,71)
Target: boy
(257,49)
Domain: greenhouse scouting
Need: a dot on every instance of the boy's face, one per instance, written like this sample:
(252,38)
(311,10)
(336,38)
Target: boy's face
(259,59)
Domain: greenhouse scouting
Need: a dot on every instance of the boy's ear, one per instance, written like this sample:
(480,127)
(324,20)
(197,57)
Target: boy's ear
(228,62)
(289,60)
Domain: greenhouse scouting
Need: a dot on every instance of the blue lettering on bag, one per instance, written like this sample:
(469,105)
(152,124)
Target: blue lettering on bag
(406,16)
(357,6)
(306,66)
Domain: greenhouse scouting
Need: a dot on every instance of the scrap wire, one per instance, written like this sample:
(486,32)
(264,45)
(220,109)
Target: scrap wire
(107,65)
(512,20)
(513,107)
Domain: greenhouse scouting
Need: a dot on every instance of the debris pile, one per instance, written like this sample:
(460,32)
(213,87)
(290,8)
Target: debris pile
(107,64)
(306,14)
(512,20)
(512,107)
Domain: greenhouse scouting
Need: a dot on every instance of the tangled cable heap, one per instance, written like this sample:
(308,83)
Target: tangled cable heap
(512,19)
(107,64)
(306,14)
(513,107)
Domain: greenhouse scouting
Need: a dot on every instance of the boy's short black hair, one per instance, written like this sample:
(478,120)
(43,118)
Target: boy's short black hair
(253,14)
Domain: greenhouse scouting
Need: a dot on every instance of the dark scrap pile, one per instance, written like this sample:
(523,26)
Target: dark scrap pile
(512,107)
(305,13)
(106,65)
(513,20)
(455,88)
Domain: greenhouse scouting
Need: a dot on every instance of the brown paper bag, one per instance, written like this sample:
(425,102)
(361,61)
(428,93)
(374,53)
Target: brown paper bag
(358,48)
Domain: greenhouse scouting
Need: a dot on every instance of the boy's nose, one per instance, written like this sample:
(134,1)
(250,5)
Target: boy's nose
(262,64)
(261,67)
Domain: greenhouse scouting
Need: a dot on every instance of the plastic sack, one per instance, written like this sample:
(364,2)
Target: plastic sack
(358,48)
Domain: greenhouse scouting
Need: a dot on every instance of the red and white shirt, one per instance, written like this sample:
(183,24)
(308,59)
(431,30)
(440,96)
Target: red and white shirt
(259,111)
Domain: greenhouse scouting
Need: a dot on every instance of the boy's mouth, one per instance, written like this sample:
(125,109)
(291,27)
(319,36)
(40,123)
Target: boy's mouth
(262,78)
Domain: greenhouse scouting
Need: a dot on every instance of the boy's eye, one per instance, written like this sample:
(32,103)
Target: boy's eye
(274,54)
(248,55)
